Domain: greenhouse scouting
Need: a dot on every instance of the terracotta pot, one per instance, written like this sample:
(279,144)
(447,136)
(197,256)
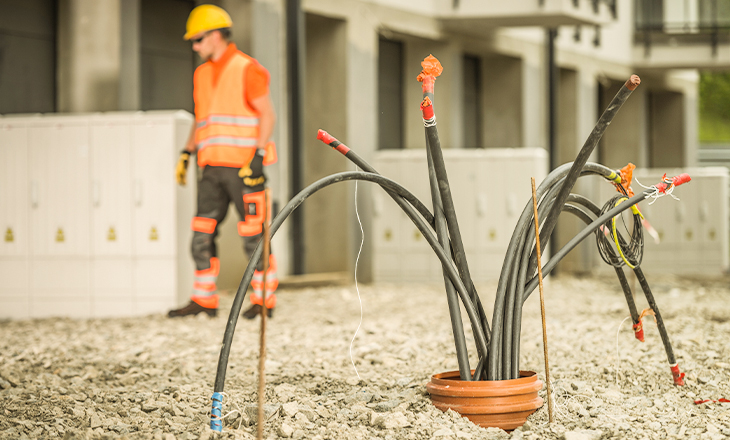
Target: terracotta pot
(488,403)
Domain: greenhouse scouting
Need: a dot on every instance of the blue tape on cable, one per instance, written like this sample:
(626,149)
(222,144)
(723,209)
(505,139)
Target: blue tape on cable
(216,424)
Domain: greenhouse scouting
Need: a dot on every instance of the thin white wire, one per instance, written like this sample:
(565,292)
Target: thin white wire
(618,358)
(656,194)
(357,261)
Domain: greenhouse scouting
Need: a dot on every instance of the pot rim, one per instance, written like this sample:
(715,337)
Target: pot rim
(450,384)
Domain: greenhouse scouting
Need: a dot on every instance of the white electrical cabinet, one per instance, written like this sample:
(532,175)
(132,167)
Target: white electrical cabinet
(490,188)
(693,231)
(93,222)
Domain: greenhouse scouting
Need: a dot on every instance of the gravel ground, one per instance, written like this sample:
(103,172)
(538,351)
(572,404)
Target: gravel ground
(151,378)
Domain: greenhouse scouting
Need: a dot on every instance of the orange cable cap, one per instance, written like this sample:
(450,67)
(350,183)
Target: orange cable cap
(431,67)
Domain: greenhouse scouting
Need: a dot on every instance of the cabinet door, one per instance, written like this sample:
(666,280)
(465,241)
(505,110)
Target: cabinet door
(111,189)
(13,189)
(711,194)
(154,285)
(60,287)
(154,188)
(59,154)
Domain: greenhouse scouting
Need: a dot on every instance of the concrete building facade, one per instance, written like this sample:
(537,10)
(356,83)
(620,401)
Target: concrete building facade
(360,61)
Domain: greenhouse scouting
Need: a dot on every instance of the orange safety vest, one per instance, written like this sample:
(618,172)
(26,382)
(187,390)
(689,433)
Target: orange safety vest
(227,128)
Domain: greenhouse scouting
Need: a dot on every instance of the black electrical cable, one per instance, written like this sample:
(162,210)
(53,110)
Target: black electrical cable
(619,270)
(510,286)
(442,232)
(629,297)
(659,321)
(287,210)
(512,333)
(584,153)
(436,162)
(438,221)
(516,242)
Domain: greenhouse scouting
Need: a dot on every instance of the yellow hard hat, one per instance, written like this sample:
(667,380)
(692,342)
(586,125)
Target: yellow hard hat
(206,18)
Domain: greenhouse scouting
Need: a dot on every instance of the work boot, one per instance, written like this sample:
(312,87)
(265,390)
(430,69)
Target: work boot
(192,308)
(255,310)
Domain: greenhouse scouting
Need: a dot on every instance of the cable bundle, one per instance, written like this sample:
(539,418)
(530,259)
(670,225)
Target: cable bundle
(612,246)
(498,348)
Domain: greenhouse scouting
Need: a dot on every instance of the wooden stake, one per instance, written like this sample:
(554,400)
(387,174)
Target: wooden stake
(262,339)
(542,305)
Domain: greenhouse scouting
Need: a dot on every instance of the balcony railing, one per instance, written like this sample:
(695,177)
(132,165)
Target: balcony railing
(548,13)
(682,16)
(682,22)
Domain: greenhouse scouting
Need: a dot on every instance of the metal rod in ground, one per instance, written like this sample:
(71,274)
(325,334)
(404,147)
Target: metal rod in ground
(542,305)
(262,339)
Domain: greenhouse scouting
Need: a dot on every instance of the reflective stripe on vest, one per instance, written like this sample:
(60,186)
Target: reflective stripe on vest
(230,120)
(227,129)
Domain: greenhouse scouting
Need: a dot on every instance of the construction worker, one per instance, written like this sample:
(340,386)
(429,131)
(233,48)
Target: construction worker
(234,119)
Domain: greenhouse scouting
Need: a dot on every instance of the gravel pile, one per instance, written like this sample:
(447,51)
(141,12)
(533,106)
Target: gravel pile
(152,377)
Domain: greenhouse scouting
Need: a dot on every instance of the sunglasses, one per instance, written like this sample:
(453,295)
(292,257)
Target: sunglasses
(198,40)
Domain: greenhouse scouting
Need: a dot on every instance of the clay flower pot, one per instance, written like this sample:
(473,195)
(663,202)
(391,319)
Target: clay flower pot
(488,403)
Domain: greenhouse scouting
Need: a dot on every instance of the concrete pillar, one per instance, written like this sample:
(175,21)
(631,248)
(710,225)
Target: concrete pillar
(129,74)
(691,126)
(259,31)
(625,139)
(361,109)
(586,115)
(453,85)
(576,117)
(89,55)
(242,14)
(667,130)
(502,102)
(267,35)
(327,244)
(534,96)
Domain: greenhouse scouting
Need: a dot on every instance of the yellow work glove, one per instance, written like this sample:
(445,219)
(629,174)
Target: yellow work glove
(253,173)
(181,169)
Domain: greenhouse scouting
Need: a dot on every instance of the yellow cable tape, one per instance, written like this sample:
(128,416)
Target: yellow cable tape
(615,235)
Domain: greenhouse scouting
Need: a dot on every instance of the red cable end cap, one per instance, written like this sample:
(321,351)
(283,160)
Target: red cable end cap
(639,331)
(633,82)
(677,375)
(682,178)
(325,137)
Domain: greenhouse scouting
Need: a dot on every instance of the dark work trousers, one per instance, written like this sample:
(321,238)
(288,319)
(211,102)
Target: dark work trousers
(217,189)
